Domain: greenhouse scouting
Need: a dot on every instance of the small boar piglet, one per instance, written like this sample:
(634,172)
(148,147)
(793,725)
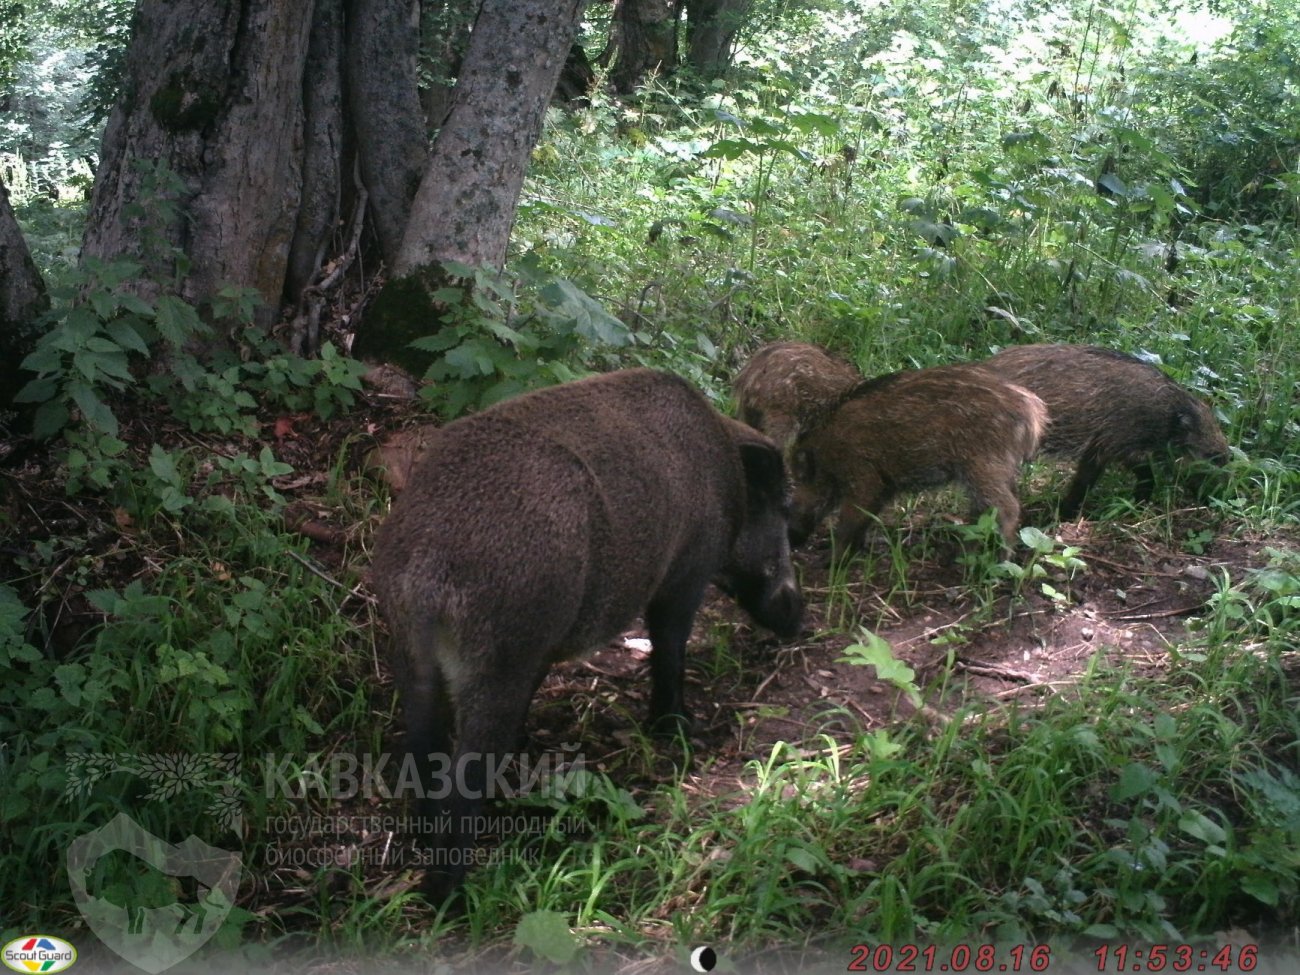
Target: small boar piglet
(1109,408)
(911,431)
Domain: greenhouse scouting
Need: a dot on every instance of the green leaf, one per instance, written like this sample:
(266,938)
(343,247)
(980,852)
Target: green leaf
(1103,932)
(547,934)
(469,360)
(126,337)
(823,125)
(71,677)
(177,320)
(135,305)
(272,467)
(731,149)
(1135,779)
(1036,540)
(50,418)
(589,317)
(1202,827)
(802,859)
(94,409)
(38,391)
(1113,183)
(438,342)
(163,466)
(1263,889)
(105,303)
(874,651)
(104,600)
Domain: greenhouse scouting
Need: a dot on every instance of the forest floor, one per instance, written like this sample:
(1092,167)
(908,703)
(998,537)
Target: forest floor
(1128,608)
(749,691)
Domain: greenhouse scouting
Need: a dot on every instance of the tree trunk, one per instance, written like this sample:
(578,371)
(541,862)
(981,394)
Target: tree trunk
(466,203)
(22,299)
(252,133)
(240,105)
(711,28)
(643,34)
(213,95)
(385,102)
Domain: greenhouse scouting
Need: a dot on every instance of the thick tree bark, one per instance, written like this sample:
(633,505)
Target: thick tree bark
(711,28)
(465,206)
(22,292)
(324,181)
(384,99)
(272,124)
(242,102)
(643,38)
(213,94)
(22,299)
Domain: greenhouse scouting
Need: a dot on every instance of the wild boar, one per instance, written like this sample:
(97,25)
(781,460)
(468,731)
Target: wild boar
(539,529)
(913,430)
(785,384)
(1106,407)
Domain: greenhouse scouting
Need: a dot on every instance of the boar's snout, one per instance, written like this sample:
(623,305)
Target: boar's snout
(782,611)
(771,598)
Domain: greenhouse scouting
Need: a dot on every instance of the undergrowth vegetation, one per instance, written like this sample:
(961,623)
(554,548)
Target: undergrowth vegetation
(909,184)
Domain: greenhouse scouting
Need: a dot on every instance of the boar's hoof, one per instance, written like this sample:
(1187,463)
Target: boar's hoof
(669,726)
(443,890)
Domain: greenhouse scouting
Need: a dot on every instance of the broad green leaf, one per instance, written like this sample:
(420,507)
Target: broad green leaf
(1135,779)
(1263,889)
(1113,183)
(547,935)
(731,149)
(163,465)
(50,418)
(1202,827)
(94,409)
(177,321)
(38,390)
(125,335)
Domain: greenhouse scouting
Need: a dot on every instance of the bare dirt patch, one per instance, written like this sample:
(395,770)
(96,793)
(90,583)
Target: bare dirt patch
(1131,604)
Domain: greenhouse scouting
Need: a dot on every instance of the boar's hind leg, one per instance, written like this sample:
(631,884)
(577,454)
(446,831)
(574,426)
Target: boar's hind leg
(1002,497)
(669,618)
(427,709)
(490,712)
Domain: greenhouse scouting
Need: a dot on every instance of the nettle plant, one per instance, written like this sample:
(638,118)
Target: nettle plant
(104,342)
(506,333)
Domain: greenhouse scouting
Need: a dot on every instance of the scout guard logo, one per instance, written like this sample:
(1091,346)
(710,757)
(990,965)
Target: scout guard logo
(38,953)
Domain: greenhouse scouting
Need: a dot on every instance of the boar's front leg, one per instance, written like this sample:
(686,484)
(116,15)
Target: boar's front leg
(1090,468)
(669,618)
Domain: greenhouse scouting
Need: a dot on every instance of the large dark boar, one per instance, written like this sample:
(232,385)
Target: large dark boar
(1107,407)
(908,431)
(785,384)
(540,528)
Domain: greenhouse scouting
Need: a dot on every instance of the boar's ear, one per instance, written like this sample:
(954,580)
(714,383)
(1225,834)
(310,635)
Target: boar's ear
(1186,424)
(764,470)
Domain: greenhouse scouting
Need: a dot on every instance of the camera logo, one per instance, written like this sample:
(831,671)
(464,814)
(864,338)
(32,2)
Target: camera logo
(38,953)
